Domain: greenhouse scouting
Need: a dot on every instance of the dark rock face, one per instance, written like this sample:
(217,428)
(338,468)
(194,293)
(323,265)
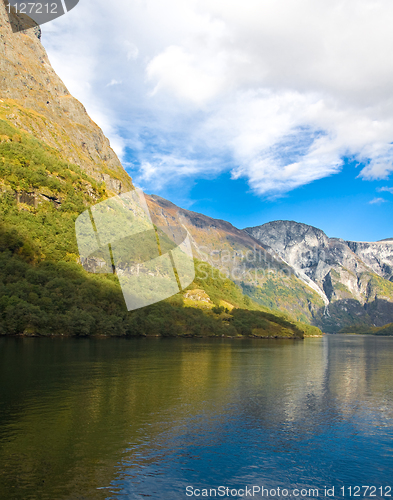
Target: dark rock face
(354,278)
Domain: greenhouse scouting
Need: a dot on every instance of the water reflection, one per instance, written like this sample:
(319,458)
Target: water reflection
(114,418)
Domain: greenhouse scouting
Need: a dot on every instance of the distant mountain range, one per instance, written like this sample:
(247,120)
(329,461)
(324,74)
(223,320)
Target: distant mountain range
(284,266)
(354,279)
(296,268)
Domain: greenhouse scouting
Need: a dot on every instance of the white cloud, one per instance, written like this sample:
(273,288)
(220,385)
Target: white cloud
(184,75)
(132,50)
(387,189)
(377,201)
(275,92)
(169,164)
(113,82)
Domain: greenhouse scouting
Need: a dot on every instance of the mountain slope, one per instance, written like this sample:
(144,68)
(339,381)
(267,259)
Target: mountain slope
(352,277)
(386,330)
(36,100)
(261,274)
(45,291)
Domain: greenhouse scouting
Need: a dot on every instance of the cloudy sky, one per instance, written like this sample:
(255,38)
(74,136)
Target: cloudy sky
(247,110)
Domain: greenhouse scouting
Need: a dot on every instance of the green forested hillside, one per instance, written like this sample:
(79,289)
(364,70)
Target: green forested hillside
(45,291)
(386,330)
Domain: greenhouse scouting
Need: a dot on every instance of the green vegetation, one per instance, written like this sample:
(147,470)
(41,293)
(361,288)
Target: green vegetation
(386,330)
(342,288)
(51,195)
(51,298)
(289,294)
(45,291)
(379,287)
(218,287)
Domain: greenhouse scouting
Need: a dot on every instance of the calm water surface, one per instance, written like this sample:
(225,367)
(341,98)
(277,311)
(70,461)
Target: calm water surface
(130,419)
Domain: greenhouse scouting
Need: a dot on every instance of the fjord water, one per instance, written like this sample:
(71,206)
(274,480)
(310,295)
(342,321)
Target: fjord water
(129,419)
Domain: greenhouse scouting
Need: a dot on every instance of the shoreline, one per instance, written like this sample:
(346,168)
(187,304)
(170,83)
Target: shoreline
(137,337)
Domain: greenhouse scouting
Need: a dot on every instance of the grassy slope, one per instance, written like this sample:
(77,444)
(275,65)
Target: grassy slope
(55,133)
(288,294)
(43,289)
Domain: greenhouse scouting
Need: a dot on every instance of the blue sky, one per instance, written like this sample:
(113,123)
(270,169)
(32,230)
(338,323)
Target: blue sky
(339,204)
(246,111)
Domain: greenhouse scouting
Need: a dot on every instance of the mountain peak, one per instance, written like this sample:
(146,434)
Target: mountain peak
(352,277)
(288,225)
(280,234)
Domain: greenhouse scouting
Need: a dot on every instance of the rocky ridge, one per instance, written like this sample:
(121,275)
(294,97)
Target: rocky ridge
(353,278)
(262,274)
(376,255)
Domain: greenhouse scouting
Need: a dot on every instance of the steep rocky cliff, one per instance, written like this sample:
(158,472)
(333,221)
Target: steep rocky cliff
(377,255)
(35,99)
(353,278)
